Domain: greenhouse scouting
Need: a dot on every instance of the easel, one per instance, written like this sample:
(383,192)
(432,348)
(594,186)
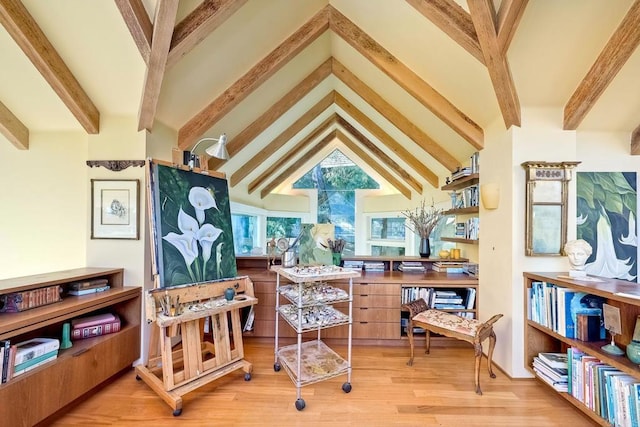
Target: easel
(174,373)
(178,314)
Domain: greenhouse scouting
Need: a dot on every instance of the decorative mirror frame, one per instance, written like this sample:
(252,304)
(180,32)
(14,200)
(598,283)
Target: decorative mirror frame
(546,208)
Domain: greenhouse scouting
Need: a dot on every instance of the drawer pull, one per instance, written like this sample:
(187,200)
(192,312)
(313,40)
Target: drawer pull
(364,308)
(364,323)
(79,352)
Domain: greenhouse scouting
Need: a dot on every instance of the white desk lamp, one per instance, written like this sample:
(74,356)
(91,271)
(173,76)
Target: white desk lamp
(217,150)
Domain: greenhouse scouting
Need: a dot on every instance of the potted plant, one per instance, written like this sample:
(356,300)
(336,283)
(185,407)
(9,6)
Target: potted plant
(422,220)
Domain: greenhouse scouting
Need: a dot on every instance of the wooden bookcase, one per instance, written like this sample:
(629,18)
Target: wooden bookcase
(33,396)
(538,338)
(461,184)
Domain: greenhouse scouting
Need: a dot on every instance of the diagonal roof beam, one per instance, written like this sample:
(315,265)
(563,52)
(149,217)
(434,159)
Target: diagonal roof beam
(373,148)
(406,78)
(196,26)
(15,18)
(319,130)
(165,18)
(381,170)
(264,69)
(453,20)
(509,15)
(137,20)
(614,55)
(274,113)
(423,140)
(263,154)
(286,174)
(13,129)
(635,141)
(483,16)
(390,143)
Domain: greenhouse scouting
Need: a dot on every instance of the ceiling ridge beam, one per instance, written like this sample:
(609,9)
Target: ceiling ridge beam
(509,15)
(164,20)
(454,21)
(196,26)
(276,111)
(139,24)
(257,75)
(330,121)
(13,129)
(377,152)
(382,171)
(287,173)
(483,16)
(19,23)
(613,56)
(406,79)
(390,143)
(635,141)
(267,151)
(396,118)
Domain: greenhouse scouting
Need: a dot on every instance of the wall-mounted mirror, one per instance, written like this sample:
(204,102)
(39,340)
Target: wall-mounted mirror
(546,209)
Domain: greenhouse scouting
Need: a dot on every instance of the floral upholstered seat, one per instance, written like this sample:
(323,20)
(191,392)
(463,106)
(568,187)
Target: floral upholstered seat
(449,321)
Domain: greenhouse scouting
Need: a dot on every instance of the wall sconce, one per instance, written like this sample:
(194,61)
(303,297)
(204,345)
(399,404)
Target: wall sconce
(217,150)
(490,195)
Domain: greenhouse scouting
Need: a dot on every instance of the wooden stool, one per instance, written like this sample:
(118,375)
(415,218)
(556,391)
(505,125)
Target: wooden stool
(450,325)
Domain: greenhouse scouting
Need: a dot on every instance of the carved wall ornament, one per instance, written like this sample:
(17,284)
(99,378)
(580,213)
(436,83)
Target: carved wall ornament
(115,165)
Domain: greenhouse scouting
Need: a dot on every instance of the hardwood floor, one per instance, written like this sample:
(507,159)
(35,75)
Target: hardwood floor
(437,390)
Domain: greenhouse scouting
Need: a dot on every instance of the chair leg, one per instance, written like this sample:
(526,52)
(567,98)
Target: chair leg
(427,341)
(410,335)
(492,344)
(478,354)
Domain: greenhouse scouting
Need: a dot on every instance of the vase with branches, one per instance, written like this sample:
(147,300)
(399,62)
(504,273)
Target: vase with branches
(422,220)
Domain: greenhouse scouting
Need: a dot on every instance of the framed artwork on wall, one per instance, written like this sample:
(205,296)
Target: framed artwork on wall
(115,209)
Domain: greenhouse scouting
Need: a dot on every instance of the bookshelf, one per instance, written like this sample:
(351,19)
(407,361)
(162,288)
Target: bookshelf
(471,210)
(540,338)
(28,399)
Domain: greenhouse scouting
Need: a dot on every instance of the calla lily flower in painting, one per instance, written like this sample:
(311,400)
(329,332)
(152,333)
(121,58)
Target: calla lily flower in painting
(201,199)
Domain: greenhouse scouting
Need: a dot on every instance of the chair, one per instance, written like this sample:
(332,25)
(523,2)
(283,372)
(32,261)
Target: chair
(450,325)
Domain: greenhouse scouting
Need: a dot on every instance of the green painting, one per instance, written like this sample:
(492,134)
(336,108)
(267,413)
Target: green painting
(314,244)
(191,222)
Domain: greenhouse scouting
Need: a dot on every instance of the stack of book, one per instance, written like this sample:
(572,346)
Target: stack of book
(552,368)
(353,265)
(448,266)
(471,268)
(88,287)
(460,173)
(25,300)
(374,266)
(26,355)
(93,326)
(447,300)
(411,266)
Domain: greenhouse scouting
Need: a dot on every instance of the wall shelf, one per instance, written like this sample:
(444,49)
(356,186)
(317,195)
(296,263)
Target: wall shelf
(459,240)
(466,181)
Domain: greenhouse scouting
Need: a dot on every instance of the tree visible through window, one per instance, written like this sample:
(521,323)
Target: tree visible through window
(336,178)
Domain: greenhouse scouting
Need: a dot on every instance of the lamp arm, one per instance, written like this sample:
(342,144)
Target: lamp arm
(192,151)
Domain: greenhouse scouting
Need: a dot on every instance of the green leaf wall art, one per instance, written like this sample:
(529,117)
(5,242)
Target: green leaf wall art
(606,218)
(191,221)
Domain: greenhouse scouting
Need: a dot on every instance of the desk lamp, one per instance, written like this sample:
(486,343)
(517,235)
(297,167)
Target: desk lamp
(217,150)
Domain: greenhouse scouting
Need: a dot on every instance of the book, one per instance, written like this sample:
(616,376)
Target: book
(94,330)
(555,360)
(6,346)
(33,348)
(32,363)
(25,300)
(97,319)
(89,290)
(88,284)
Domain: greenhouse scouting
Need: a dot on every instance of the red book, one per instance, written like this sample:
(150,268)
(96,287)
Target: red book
(94,326)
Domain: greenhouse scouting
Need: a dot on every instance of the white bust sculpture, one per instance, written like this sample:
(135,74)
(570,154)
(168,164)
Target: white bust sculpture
(578,251)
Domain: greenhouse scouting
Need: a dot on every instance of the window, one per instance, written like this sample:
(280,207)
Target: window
(283,227)
(387,228)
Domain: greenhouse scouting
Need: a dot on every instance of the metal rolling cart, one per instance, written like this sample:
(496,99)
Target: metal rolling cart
(311,309)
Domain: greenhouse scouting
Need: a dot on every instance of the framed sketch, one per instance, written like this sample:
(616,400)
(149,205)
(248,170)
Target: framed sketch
(115,209)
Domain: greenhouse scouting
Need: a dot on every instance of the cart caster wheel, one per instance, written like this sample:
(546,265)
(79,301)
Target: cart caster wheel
(276,367)
(177,412)
(247,377)
(346,387)
(300,404)
(138,378)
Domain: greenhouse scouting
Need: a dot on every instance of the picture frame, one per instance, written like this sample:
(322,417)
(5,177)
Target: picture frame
(115,209)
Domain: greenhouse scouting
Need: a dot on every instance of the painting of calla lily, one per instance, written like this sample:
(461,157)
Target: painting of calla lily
(192,226)
(606,219)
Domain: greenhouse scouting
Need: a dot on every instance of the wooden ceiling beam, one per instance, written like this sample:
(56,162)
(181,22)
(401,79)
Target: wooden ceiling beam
(509,15)
(390,143)
(406,126)
(381,170)
(261,156)
(287,173)
(405,78)
(163,23)
(276,111)
(381,155)
(453,20)
(483,16)
(635,141)
(137,20)
(282,161)
(614,55)
(13,129)
(196,26)
(19,23)
(264,69)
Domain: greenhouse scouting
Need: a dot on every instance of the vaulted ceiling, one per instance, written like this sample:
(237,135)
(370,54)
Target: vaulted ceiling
(404,87)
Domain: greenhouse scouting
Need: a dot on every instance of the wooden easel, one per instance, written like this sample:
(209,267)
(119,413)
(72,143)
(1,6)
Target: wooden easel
(173,373)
